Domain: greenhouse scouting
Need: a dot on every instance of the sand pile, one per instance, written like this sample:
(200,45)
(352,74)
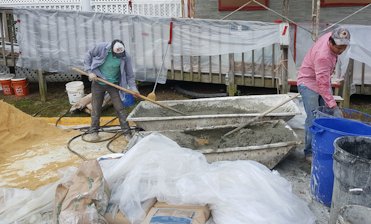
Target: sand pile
(19,130)
(31,151)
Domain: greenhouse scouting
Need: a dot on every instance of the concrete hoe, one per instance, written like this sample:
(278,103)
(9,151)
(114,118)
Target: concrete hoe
(259,116)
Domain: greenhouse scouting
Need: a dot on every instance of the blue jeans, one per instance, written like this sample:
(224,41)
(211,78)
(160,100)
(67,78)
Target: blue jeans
(311,101)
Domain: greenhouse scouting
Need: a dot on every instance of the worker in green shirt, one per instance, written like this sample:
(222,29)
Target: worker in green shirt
(111,62)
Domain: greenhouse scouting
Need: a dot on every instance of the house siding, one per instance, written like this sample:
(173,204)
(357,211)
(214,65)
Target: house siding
(299,11)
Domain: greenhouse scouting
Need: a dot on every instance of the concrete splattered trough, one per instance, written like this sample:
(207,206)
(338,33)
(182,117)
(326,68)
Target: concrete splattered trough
(210,112)
(267,142)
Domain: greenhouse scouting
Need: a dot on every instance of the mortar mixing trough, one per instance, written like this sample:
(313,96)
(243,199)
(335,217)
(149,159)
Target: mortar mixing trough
(210,112)
(267,142)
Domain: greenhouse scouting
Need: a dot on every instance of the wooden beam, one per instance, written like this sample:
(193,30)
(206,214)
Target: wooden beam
(285,84)
(42,85)
(347,83)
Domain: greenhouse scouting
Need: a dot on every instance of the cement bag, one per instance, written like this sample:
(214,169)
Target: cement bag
(85,103)
(84,198)
(177,214)
(115,216)
(236,191)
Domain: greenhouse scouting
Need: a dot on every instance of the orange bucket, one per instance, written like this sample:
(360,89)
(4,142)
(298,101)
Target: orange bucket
(6,85)
(20,86)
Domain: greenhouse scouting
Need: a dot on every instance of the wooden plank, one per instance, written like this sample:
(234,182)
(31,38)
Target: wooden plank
(329,3)
(230,5)
(363,79)
(243,67)
(253,67)
(347,82)
(220,68)
(273,64)
(263,64)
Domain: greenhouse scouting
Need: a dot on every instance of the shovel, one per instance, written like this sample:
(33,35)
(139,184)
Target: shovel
(260,116)
(130,92)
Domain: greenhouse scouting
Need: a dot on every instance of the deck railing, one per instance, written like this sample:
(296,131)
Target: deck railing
(162,8)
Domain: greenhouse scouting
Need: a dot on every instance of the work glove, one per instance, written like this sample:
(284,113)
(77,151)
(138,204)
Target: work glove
(338,112)
(92,77)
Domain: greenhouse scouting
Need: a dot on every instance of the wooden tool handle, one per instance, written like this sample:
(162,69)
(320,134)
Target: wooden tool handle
(260,115)
(136,94)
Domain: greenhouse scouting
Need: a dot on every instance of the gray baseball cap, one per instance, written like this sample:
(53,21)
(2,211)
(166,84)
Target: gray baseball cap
(341,36)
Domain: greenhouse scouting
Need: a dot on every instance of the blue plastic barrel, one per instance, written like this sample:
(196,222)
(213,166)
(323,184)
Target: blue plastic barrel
(324,132)
(128,100)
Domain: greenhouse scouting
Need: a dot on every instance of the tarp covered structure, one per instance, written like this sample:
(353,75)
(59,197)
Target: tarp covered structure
(55,41)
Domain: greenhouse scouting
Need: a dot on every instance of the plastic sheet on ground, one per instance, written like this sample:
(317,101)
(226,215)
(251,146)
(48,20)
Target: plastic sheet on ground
(298,121)
(26,206)
(236,191)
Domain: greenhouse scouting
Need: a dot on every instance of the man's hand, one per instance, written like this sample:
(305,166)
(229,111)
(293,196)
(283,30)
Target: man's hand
(136,95)
(337,112)
(92,77)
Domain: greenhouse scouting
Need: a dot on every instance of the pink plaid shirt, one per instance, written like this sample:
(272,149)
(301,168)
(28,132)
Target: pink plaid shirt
(317,67)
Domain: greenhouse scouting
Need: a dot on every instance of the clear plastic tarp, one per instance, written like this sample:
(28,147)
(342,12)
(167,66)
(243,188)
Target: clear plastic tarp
(55,41)
(24,206)
(157,167)
(236,191)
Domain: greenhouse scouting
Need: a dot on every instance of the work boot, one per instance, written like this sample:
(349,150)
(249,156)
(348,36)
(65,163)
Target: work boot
(91,137)
(128,135)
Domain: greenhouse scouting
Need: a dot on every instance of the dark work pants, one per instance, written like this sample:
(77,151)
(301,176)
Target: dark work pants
(98,92)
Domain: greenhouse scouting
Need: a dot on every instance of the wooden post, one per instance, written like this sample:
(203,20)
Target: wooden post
(231,86)
(2,23)
(182,7)
(348,79)
(285,72)
(42,85)
(316,5)
(191,8)
(285,53)
(5,24)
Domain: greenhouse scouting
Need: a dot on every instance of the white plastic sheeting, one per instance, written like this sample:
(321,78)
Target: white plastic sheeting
(236,191)
(30,207)
(57,40)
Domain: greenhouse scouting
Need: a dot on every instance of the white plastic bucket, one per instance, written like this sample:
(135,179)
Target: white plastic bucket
(75,91)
